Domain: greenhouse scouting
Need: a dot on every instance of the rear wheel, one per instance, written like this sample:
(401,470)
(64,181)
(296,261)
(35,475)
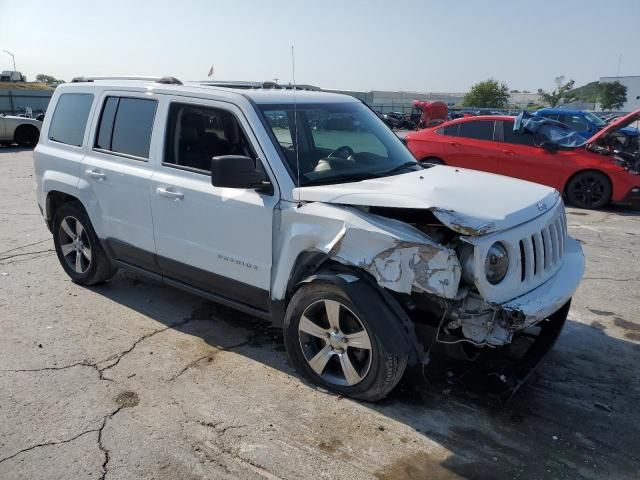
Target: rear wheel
(26,136)
(589,190)
(78,247)
(331,342)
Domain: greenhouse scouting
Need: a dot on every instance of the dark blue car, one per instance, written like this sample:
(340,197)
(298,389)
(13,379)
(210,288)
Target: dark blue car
(585,123)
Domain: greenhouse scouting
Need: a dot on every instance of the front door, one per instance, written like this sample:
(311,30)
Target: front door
(218,240)
(521,158)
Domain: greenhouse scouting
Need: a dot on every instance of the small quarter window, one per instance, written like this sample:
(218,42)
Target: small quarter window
(126,125)
(70,118)
(452,130)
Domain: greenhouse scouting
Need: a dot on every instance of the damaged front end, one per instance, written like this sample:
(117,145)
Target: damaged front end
(433,262)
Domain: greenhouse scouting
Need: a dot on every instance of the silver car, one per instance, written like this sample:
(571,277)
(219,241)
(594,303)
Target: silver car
(21,130)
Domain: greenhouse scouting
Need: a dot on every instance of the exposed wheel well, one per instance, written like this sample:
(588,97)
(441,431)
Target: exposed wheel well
(55,200)
(566,185)
(432,159)
(22,128)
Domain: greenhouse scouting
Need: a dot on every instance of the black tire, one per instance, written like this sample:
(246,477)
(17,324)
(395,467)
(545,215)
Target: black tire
(94,268)
(384,369)
(26,136)
(433,161)
(590,189)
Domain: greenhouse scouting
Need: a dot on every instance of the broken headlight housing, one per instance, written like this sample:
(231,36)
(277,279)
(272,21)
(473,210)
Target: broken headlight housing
(496,263)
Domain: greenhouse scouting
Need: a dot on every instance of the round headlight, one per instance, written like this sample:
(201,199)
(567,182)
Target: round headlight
(496,264)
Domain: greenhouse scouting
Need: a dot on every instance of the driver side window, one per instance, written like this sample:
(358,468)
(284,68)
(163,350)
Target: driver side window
(196,134)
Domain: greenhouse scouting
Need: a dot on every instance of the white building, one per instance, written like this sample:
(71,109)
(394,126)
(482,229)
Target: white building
(633,91)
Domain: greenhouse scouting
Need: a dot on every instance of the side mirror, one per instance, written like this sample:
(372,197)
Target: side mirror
(238,171)
(549,146)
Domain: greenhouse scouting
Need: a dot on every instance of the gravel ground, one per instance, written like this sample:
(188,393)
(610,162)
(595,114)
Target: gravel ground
(137,380)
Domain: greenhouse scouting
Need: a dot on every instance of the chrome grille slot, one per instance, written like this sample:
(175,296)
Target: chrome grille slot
(536,252)
(542,251)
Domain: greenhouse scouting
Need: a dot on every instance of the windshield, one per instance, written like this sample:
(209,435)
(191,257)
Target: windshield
(336,142)
(547,130)
(596,120)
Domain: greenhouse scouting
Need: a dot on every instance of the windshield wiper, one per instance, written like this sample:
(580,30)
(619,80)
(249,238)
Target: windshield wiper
(353,177)
(402,166)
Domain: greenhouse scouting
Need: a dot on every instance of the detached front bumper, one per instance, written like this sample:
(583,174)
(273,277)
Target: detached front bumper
(549,297)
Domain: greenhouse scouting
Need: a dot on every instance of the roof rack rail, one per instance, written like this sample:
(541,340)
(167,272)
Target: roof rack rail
(163,80)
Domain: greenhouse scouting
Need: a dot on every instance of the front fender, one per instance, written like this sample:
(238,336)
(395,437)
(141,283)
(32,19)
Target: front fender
(398,256)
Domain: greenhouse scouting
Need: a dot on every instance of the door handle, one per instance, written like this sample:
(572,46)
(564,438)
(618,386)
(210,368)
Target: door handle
(454,144)
(508,152)
(165,192)
(97,174)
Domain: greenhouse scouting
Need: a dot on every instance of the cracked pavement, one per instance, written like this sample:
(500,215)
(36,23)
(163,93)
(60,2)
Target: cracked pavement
(134,379)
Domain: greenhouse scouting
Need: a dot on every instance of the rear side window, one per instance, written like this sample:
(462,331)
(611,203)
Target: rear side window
(480,130)
(70,118)
(518,138)
(450,130)
(126,125)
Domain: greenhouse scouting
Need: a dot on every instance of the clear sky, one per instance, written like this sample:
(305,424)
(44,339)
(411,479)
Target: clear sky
(358,45)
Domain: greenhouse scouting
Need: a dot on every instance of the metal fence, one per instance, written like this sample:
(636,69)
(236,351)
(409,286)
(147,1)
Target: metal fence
(16,101)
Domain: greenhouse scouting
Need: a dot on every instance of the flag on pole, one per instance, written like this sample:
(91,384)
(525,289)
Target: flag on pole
(210,72)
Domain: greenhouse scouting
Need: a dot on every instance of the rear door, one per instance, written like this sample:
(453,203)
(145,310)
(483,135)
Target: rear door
(115,183)
(475,146)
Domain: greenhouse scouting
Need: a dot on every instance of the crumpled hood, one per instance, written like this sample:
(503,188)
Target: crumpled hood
(467,201)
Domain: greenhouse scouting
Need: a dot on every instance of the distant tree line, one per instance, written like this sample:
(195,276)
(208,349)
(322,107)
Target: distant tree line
(48,79)
(494,94)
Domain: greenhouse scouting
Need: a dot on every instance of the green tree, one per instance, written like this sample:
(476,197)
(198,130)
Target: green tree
(487,94)
(562,91)
(48,79)
(612,95)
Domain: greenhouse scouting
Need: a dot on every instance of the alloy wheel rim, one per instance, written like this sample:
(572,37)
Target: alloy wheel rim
(589,190)
(75,245)
(335,343)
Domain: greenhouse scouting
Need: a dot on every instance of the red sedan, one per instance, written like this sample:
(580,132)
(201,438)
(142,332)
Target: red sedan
(605,168)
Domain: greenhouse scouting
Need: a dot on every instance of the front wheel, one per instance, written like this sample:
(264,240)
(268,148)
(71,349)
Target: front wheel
(589,190)
(332,343)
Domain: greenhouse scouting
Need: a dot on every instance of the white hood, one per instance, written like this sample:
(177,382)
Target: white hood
(467,201)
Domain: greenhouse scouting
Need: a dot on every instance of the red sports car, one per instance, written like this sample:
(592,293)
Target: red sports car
(591,174)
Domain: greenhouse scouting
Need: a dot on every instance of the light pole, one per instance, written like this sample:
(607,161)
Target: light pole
(13,58)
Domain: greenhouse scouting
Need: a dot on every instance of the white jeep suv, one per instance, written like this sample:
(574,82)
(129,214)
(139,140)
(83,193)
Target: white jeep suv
(305,209)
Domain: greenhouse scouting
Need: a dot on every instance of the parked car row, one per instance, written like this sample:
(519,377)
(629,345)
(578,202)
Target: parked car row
(586,124)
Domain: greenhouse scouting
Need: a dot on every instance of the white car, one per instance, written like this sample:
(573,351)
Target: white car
(21,130)
(303,208)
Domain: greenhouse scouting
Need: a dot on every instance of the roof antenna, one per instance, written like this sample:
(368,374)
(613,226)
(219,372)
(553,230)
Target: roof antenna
(295,120)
